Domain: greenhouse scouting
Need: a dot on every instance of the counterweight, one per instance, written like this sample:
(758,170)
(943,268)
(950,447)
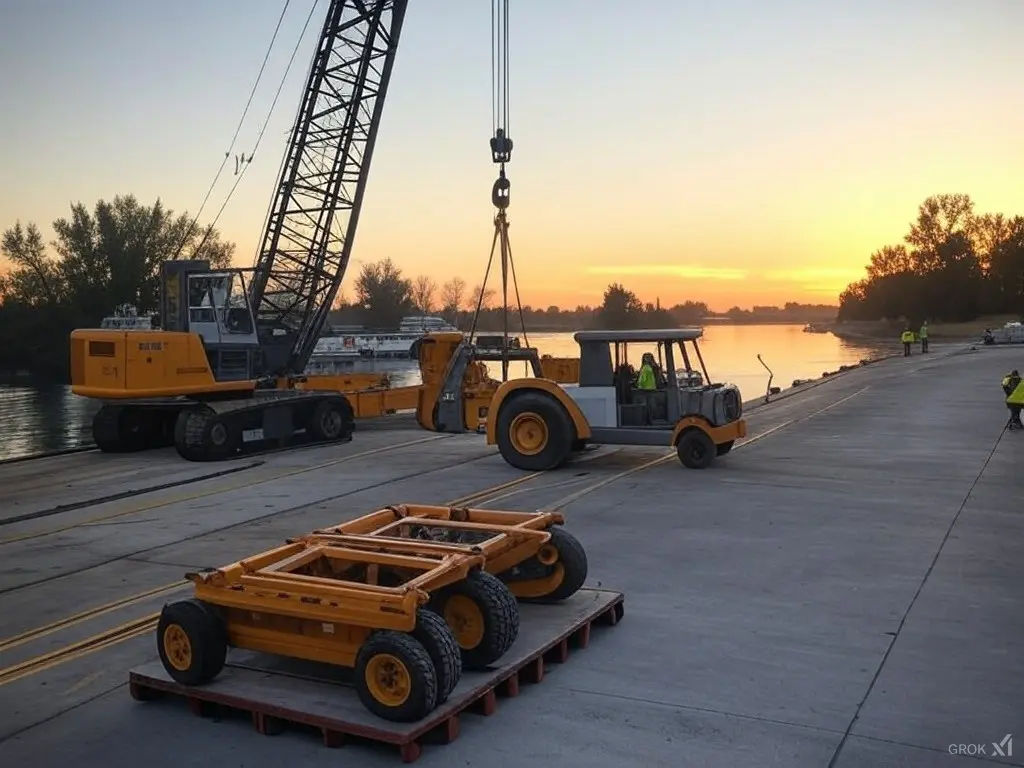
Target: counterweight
(312,222)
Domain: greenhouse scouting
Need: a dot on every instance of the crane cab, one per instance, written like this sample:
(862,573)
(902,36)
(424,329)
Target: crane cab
(206,342)
(537,424)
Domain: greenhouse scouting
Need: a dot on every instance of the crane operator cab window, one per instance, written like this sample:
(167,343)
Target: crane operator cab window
(218,301)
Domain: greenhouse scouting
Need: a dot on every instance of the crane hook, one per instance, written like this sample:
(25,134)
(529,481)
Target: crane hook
(500,191)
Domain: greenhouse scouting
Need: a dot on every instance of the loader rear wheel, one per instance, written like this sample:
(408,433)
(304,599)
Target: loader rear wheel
(437,637)
(191,642)
(534,432)
(395,678)
(483,615)
(696,449)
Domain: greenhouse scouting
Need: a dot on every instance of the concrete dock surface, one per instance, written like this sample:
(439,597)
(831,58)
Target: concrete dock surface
(846,588)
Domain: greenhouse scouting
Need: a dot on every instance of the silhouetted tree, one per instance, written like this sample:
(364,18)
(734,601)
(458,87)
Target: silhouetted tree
(955,265)
(423,289)
(383,295)
(104,257)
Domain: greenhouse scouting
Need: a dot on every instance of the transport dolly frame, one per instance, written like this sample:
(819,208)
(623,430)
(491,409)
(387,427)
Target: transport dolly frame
(274,694)
(352,608)
(530,551)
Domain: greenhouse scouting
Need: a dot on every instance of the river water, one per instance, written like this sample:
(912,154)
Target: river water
(38,420)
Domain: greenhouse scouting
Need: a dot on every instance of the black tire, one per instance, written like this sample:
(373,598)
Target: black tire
(559,433)
(331,420)
(376,663)
(191,642)
(696,449)
(724,448)
(484,617)
(573,559)
(436,636)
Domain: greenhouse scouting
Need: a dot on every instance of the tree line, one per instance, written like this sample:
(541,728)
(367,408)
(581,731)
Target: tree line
(954,265)
(102,258)
(109,256)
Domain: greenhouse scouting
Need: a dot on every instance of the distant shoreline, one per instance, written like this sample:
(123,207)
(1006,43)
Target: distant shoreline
(890,331)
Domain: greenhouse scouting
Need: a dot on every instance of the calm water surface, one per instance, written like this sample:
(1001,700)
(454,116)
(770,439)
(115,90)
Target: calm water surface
(38,420)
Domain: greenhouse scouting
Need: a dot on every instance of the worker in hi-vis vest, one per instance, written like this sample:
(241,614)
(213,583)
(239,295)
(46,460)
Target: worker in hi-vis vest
(907,337)
(923,335)
(646,379)
(1013,388)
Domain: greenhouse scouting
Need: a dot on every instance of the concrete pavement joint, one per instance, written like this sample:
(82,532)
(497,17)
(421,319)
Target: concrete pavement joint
(913,600)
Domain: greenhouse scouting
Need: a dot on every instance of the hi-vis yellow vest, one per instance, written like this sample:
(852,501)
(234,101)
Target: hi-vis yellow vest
(1017,396)
(907,337)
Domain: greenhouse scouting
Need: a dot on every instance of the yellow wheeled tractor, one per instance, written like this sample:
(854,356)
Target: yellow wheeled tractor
(538,424)
(352,607)
(530,551)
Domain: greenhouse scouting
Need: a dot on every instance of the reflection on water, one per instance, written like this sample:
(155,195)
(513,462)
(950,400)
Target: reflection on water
(39,420)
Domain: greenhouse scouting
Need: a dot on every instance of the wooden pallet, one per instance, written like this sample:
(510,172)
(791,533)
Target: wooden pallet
(275,691)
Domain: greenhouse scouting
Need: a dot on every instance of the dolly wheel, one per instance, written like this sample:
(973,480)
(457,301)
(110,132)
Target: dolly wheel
(564,551)
(484,616)
(437,637)
(191,641)
(696,449)
(534,432)
(395,678)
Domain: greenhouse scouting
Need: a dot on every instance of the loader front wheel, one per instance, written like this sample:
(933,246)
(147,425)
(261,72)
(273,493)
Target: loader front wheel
(191,642)
(696,449)
(483,615)
(534,432)
(395,678)
(437,637)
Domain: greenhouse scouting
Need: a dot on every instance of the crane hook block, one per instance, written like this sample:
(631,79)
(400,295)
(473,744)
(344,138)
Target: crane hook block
(501,147)
(500,192)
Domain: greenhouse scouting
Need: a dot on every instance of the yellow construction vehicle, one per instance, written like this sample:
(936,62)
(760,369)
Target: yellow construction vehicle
(537,423)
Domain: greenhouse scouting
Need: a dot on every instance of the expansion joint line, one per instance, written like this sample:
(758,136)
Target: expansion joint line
(913,600)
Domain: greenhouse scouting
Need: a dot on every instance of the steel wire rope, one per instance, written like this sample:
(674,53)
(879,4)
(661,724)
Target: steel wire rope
(263,130)
(238,129)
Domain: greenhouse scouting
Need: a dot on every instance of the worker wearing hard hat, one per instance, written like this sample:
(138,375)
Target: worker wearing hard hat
(907,337)
(1013,388)
(923,335)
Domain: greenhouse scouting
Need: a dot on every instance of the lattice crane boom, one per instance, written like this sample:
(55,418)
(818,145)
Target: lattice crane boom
(312,223)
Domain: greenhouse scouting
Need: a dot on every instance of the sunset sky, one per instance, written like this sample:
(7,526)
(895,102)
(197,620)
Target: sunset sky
(736,152)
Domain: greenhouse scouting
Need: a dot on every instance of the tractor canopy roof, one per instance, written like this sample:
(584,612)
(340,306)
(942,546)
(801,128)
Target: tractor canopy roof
(649,335)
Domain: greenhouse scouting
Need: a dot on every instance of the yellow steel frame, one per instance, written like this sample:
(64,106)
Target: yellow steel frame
(518,536)
(267,607)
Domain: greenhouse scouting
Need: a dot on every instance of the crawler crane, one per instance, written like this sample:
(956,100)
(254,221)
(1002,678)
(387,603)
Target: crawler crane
(224,373)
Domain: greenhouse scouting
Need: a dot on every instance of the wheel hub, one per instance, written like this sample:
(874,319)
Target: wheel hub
(466,621)
(528,433)
(218,434)
(388,680)
(177,647)
(330,423)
